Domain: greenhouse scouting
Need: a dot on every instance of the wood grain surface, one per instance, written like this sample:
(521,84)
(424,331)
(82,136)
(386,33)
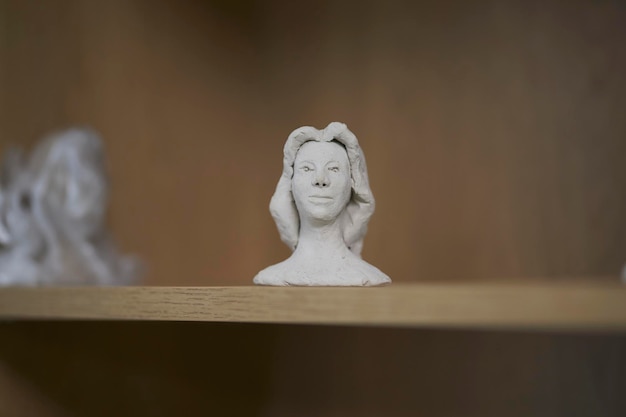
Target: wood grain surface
(505,306)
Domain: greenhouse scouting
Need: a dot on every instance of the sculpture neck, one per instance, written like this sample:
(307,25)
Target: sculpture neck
(320,238)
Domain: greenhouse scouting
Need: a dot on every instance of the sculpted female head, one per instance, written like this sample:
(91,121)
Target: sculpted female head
(324,178)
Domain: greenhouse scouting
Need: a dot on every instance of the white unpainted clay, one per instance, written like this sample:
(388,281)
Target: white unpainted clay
(321,207)
(52,210)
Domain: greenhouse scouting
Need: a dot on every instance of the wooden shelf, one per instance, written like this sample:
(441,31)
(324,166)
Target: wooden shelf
(509,306)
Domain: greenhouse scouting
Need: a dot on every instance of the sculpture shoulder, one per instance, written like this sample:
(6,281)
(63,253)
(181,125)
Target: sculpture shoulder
(349,272)
(273,275)
(360,273)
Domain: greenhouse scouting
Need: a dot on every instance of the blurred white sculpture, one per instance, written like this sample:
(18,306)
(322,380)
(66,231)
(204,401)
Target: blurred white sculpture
(52,216)
(321,206)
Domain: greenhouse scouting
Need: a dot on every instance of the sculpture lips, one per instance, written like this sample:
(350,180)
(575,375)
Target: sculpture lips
(320,198)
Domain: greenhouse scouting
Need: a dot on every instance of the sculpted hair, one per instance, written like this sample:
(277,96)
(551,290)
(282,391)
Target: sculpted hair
(355,216)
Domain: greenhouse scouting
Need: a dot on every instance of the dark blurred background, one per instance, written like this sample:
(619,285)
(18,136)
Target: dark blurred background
(495,131)
(495,134)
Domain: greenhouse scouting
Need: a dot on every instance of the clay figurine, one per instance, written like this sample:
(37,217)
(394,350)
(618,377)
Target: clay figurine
(321,207)
(52,216)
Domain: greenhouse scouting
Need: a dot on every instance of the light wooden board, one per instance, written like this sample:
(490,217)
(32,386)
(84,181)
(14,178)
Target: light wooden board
(519,306)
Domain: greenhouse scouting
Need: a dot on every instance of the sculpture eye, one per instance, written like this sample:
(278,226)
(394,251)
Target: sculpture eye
(334,169)
(306,168)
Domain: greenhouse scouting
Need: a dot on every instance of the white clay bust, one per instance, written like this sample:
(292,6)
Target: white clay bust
(321,206)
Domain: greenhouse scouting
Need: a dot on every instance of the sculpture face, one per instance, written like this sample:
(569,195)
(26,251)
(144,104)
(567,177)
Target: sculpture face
(321,184)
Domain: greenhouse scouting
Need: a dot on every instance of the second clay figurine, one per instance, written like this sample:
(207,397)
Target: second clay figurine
(52,216)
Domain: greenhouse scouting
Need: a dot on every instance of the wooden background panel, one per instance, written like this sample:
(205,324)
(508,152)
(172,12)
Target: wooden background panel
(494,131)
(198,369)
(129,369)
(3,66)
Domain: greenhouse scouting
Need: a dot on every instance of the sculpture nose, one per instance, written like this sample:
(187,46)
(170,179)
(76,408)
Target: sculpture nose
(321,180)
